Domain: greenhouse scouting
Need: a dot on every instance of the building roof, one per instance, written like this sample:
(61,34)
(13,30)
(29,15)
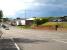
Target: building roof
(30,19)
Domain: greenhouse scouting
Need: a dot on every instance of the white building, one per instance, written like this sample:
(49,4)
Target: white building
(24,22)
(20,22)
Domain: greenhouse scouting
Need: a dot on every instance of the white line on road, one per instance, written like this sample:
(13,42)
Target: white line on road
(17,46)
(59,40)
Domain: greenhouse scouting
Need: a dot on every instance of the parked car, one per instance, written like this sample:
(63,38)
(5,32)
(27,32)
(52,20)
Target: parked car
(5,27)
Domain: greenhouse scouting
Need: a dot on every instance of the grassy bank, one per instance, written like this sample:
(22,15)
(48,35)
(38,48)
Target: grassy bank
(24,27)
(64,24)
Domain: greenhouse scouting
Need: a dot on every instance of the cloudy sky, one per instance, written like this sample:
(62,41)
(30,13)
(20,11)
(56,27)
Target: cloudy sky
(18,8)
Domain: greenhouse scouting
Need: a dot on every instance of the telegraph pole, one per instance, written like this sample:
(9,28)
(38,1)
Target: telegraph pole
(25,16)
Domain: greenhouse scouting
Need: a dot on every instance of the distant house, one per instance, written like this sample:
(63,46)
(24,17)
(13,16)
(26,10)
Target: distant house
(29,21)
(59,19)
(54,19)
(20,22)
(24,21)
(64,18)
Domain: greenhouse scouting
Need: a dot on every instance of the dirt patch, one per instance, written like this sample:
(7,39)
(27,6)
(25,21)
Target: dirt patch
(43,27)
(49,28)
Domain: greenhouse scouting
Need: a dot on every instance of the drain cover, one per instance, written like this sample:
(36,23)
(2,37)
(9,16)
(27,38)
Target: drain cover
(7,44)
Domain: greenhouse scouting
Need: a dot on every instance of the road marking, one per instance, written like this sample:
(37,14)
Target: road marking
(59,40)
(17,46)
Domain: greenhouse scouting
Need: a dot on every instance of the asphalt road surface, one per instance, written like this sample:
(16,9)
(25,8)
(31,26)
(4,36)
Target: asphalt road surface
(7,44)
(29,39)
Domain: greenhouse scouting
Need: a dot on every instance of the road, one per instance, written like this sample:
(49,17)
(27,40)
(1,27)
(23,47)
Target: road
(29,39)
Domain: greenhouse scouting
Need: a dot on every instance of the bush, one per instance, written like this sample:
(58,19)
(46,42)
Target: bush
(39,21)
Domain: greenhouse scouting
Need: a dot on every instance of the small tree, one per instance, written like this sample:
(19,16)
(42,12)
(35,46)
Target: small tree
(39,21)
(5,19)
(18,18)
(1,15)
(44,20)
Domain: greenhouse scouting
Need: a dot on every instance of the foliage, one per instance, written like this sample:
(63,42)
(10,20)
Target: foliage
(1,14)
(51,23)
(18,18)
(52,18)
(5,19)
(64,24)
(44,20)
(39,21)
(25,27)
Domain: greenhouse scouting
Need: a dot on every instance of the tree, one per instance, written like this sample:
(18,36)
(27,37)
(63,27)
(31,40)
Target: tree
(1,14)
(44,20)
(5,19)
(18,18)
(39,21)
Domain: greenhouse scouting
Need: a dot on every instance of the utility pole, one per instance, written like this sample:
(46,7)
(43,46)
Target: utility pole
(25,16)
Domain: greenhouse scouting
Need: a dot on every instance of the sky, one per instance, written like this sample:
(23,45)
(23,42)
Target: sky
(33,8)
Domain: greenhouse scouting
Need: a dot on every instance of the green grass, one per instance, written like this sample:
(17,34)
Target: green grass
(64,24)
(24,27)
(51,23)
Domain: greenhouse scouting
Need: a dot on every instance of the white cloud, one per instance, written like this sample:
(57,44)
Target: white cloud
(27,1)
(10,7)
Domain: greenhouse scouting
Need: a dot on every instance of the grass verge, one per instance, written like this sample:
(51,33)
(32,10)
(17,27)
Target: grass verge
(24,27)
(64,24)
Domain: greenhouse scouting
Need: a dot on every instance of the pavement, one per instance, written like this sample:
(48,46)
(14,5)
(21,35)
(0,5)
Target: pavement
(7,44)
(30,39)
